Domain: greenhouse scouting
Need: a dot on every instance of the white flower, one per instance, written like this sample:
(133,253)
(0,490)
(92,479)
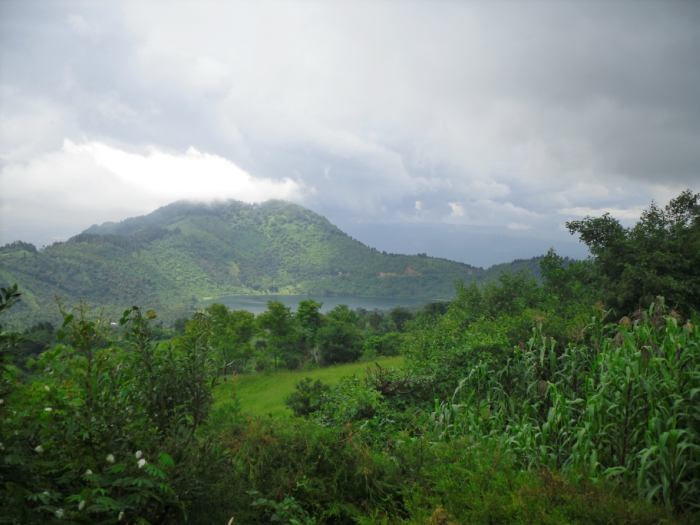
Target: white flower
(46,493)
(81,505)
(142,462)
(110,458)
(138,454)
(47,388)
(88,472)
(48,409)
(2,401)
(39,449)
(59,513)
(121,515)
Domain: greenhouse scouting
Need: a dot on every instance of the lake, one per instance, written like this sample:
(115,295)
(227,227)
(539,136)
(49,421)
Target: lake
(258,303)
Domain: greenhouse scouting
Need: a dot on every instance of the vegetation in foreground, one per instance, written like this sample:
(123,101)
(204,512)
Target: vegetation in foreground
(566,402)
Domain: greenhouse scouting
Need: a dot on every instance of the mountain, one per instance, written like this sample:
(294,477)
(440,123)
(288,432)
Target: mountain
(185,252)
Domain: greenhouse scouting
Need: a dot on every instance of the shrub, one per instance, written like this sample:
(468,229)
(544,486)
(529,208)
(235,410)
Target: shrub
(106,432)
(307,397)
(339,343)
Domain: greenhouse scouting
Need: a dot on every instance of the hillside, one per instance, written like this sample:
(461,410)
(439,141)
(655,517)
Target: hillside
(185,252)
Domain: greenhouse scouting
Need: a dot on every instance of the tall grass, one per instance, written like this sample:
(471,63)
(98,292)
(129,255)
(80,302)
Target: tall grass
(624,406)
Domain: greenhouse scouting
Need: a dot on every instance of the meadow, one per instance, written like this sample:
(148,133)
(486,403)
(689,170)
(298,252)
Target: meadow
(263,394)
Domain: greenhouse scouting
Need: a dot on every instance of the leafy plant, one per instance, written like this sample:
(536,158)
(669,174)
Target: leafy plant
(104,433)
(307,398)
(286,512)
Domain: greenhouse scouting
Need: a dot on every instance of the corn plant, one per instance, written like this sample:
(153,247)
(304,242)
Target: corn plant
(626,404)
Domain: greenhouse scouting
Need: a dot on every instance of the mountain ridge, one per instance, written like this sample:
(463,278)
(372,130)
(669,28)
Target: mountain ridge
(183,252)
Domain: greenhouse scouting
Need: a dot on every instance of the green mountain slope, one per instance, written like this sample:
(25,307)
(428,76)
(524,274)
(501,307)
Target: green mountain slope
(186,252)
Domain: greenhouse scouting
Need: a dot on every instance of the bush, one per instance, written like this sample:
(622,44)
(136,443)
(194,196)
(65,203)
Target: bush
(387,345)
(307,397)
(106,432)
(339,343)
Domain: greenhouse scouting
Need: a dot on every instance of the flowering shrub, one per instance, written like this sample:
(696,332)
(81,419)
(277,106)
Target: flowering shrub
(68,432)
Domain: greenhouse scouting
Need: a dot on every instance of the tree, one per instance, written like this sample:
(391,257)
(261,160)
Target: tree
(568,286)
(307,397)
(375,319)
(400,316)
(658,256)
(231,334)
(105,431)
(309,318)
(8,340)
(242,325)
(343,314)
(282,338)
(339,343)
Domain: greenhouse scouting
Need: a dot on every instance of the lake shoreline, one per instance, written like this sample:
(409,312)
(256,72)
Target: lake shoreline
(257,303)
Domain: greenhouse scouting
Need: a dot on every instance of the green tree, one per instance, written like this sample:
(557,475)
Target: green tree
(231,334)
(339,342)
(343,314)
(382,345)
(307,397)
(658,256)
(278,326)
(375,319)
(309,318)
(569,287)
(8,340)
(400,316)
(242,324)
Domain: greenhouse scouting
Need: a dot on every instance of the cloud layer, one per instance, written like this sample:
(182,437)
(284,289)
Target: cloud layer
(509,115)
(89,183)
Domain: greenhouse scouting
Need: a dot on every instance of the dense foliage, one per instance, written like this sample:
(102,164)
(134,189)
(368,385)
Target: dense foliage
(659,256)
(573,400)
(101,433)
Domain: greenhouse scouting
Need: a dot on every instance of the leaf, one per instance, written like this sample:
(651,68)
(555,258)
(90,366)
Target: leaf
(164,460)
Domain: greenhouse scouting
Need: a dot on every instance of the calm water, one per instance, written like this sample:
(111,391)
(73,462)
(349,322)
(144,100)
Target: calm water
(258,303)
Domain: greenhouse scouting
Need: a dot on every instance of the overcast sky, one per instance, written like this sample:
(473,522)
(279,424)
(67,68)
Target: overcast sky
(467,130)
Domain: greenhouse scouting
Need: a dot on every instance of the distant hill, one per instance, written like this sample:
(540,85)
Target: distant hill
(185,252)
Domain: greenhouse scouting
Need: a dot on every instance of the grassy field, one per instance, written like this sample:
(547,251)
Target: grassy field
(263,394)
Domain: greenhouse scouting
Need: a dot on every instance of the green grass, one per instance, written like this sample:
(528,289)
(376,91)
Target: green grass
(263,394)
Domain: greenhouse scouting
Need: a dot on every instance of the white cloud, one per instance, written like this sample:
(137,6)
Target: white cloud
(194,175)
(113,109)
(517,226)
(78,24)
(92,182)
(30,125)
(618,213)
(465,94)
(457,209)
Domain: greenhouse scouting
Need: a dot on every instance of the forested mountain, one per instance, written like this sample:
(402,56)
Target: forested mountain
(186,252)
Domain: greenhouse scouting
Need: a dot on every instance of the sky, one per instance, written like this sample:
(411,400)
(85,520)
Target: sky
(463,129)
